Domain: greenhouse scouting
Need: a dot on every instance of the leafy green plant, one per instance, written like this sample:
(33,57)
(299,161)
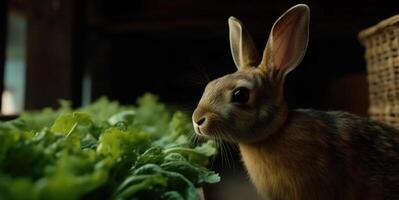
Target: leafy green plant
(103,151)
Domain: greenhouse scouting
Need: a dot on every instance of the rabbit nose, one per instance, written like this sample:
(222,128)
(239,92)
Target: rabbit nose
(199,117)
(200,121)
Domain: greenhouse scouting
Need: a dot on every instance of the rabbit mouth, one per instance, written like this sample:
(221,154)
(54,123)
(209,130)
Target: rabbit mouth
(198,130)
(211,132)
(202,131)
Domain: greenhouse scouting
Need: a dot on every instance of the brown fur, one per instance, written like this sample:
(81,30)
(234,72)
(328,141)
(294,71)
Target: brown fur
(295,163)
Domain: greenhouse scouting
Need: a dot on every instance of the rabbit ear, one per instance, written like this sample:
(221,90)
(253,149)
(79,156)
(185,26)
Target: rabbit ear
(242,46)
(288,41)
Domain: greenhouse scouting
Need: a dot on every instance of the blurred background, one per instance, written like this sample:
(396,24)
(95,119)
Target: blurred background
(83,49)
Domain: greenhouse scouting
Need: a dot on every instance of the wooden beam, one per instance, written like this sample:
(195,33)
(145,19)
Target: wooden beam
(54,52)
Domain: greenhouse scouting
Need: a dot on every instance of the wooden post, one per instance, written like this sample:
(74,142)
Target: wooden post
(3,36)
(54,52)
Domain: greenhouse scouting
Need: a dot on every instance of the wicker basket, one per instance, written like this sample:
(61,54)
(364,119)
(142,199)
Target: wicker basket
(382,55)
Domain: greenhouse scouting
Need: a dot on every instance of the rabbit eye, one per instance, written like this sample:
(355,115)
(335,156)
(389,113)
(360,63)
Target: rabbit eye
(240,95)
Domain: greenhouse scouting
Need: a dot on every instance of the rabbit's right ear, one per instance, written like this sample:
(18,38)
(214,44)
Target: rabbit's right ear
(242,46)
(287,42)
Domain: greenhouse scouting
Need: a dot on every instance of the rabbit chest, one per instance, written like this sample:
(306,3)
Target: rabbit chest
(296,163)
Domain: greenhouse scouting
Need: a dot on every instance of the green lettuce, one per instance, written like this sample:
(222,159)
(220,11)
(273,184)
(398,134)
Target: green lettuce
(103,151)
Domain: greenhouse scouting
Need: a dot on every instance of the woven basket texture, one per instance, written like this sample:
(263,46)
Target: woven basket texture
(382,56)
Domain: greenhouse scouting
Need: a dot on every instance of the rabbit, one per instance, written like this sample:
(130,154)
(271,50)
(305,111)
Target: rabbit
(300,154)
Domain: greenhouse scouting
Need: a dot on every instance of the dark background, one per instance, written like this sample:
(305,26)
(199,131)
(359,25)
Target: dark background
(173,47)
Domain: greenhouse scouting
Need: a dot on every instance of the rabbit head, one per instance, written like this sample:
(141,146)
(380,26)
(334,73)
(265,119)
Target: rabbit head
(248,105)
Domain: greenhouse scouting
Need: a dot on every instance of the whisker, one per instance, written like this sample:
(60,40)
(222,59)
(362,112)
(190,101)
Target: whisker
(214,157)
(227,145)
(186,109)
(225,152)
(229,162)
(220,147)
(196,139)
(201,78)
(203,72)
(230,154)
(193,139)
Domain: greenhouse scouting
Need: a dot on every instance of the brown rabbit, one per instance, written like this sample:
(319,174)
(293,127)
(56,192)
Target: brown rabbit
(294,154)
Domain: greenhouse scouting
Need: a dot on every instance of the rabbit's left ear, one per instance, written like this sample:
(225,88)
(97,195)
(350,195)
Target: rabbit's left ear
(287,42)
(242,46)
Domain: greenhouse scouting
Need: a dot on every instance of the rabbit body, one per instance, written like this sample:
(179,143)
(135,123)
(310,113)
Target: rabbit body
(326,155)
(297,154)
